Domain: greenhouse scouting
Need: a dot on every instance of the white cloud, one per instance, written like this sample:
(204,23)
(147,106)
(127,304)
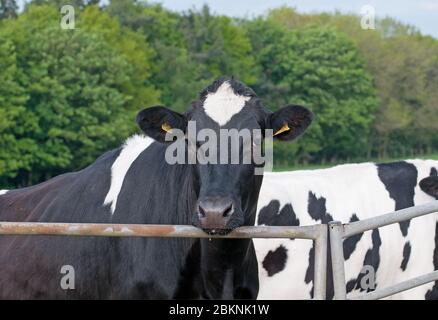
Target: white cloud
(429,5)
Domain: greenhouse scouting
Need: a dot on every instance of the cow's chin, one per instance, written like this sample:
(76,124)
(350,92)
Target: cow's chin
(217,231)
(220,230)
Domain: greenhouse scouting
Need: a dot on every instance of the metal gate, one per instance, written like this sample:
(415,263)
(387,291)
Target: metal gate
(338,232)
(318,233)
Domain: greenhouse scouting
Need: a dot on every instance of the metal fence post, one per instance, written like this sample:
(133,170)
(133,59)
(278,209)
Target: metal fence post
(337,253)
(320,277)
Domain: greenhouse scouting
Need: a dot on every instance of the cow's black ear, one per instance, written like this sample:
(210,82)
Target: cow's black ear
(430,186)
(157,121)
(289,122)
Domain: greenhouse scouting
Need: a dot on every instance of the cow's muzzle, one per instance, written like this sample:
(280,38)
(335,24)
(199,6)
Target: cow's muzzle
(214,214)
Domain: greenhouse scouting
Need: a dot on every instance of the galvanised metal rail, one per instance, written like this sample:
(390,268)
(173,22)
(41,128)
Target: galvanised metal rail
(317,233)
(338,232)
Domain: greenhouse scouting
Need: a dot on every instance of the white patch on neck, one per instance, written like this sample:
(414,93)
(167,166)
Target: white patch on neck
(223,104)
(131,150)
(3,192)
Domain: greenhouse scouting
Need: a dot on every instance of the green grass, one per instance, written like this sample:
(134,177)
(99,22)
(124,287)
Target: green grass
(302,167)
(328,165)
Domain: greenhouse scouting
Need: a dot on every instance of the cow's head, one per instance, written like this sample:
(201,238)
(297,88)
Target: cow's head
(430,186)
(227,189)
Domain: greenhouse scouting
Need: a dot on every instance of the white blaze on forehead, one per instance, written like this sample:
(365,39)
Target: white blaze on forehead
(131,150)
(223,104)
(3,192)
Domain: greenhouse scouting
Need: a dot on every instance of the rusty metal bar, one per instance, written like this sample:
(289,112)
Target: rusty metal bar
(150,230)
(318,233)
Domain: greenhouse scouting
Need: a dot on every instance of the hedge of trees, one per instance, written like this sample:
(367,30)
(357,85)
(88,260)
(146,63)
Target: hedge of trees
(67,96)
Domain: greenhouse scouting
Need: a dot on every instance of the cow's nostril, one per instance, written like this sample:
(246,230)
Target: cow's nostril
(201,211)
(228,210)
(215,211)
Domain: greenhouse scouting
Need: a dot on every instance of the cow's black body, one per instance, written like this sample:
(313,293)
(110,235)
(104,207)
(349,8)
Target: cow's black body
(119,267)
(153,192)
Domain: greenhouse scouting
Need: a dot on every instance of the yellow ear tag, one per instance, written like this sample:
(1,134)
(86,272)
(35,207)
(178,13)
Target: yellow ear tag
(165,126)
(284,128)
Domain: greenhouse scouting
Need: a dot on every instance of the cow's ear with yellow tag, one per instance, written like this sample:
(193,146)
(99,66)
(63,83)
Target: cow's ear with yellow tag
(166,127)
(284,128)
(289,122)
(162,124)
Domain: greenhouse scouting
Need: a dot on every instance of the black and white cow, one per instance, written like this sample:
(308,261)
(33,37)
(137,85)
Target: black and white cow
(134,184)
(349,193)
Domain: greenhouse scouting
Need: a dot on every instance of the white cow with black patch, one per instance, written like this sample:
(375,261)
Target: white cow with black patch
(348,193)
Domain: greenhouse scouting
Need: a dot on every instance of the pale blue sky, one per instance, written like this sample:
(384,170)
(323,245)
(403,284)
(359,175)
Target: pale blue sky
(421,13)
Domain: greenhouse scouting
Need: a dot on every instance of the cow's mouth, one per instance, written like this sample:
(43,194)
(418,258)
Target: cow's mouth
(216,231)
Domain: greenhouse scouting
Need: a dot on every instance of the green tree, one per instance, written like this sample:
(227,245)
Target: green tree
(403,65)
(322,69)
(78,4)
(408,84)
(66,96)
(77,86)
(15,150)
(8,9)
(192,49)
(132,47)
(174,73)
(219,45)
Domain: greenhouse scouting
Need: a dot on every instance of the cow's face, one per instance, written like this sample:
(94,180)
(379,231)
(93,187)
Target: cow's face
(221,134)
